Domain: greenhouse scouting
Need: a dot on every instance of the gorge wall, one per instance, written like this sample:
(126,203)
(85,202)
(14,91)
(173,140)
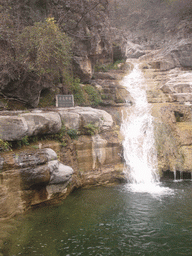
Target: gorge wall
(159,34)
(47,170)
(168,77)
(87,26)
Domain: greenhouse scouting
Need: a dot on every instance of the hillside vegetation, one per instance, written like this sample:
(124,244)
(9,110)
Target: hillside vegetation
(45,43)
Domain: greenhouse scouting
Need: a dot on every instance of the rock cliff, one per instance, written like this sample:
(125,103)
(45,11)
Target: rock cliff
(86,23)
(168,76)
(15,125)
(29,178)
(45,171)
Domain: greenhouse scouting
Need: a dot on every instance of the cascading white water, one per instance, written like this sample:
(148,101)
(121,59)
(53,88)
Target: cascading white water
(137,127)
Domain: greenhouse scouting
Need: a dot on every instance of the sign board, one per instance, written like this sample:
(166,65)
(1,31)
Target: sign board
(64,101)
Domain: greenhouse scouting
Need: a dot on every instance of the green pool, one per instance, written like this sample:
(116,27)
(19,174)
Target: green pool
(109,221)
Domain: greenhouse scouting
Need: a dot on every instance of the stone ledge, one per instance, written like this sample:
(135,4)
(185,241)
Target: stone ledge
(20,124)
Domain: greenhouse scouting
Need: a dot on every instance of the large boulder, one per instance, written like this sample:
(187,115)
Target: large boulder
(176,54)
(38,157)
(71,120)
(184,53)
(52,173)
(13,128)
(21,124)
(99,118)
(32,177)
(29,178)
(82,116)
(42,123)
(60,173)
(28,124)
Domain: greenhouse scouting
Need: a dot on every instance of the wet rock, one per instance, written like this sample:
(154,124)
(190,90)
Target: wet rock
(98,152)
(171,91)
(186,154)
(184,132)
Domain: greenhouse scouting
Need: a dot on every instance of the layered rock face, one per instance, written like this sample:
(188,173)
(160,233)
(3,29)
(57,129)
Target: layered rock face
(168,77)
(30,176)
(159,34)
(15,125)
(99,159)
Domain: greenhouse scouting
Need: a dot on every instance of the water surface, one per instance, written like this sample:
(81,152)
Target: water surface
(109,221)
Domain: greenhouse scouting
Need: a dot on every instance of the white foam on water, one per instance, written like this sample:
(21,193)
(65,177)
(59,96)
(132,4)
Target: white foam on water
(155,189)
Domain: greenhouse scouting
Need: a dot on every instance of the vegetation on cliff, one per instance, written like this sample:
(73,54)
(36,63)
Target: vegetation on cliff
(38,43)
(45,50)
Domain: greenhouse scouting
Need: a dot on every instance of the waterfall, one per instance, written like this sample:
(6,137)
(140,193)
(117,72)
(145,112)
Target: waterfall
(137,127)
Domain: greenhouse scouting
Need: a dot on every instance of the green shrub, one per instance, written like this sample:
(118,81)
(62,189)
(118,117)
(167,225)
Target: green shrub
(58,136)
(5,146)
(77,92)
(90,129)
(85,95)
(93,95)
(108,66)
(44,49)
(23,142)
(72,133)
